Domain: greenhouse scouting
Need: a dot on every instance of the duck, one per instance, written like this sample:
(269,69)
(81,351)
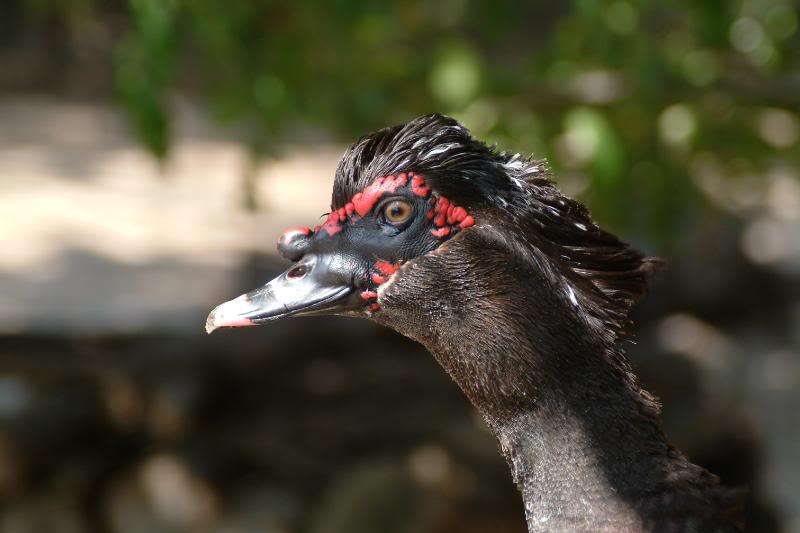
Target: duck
(522,299)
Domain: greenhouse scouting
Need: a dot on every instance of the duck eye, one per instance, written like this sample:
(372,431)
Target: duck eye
(297,272)
(397,211)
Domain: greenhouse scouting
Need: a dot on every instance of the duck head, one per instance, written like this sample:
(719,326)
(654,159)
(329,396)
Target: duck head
(424,220)
(399,194)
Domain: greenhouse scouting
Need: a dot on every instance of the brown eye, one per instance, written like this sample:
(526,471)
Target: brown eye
(297,272)
(397,211)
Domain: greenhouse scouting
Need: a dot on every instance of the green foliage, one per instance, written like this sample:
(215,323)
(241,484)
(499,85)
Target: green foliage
(145,63)
(637,99)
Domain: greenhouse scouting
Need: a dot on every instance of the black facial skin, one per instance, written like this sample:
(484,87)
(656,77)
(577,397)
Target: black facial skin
(341,264)
(376,238)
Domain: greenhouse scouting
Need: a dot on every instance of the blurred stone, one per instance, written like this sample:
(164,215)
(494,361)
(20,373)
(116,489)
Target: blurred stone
(598,87)
(261,509)
(124,402)
(375,495)
(783,194)
(324,377)
(778,127)
(12,471)
(43,515)
(430,465)
(176,495)
(767,240)
(15,396)
(690,336)
(780,371)
(171,406)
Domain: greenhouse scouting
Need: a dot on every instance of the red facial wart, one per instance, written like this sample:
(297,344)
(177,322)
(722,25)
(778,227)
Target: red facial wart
(384,270)
(448,217)
(364,201)
(418,186)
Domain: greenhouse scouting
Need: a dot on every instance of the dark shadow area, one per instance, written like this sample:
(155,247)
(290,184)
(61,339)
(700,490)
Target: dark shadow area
(308,418)
(320,424)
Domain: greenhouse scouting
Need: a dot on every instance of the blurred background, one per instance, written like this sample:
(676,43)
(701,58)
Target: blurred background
(151,151)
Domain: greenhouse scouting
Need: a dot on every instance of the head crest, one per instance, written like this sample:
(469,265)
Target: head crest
(605,275)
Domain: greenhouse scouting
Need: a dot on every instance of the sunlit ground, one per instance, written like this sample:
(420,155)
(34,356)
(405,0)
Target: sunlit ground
(90,217)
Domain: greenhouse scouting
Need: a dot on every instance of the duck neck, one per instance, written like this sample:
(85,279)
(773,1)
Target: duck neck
(584,452)
(581,438)
(580,435)
(583,463)
(585,447)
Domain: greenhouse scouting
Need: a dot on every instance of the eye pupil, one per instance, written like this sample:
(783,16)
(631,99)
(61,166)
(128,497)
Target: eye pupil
(297,272)
(397,211)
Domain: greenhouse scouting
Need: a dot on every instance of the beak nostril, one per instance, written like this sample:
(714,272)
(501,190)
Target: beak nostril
(297,272)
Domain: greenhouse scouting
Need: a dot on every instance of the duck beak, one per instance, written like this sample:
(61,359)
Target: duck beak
(315,285)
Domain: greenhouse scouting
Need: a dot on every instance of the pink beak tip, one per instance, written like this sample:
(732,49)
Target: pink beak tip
(227,315)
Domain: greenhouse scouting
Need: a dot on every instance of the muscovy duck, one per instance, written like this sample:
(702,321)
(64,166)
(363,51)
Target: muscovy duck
(522,299)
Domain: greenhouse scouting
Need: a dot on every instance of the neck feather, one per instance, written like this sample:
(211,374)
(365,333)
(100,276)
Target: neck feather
(587,452)
(580,435)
